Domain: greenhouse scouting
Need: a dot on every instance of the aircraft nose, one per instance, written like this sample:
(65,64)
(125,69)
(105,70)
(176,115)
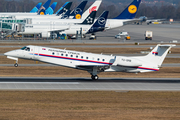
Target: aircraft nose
(9,53)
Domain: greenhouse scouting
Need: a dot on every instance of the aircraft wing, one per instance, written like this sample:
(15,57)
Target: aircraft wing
(59,30)
(100,68)
(132,21)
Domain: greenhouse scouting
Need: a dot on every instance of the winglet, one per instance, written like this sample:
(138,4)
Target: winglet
(130,11)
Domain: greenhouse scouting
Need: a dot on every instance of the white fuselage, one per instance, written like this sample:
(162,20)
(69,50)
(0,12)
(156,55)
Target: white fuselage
(40,26)
(82,60)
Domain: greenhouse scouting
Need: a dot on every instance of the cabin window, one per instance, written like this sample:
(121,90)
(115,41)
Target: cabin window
(98,59)
(76,56)
(66,55)
(103,60)
(86,57)
(71,55)
(81,57)
(61,54)
(53,53)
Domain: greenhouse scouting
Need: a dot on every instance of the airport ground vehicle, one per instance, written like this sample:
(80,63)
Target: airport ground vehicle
(92,37)
(148,35)
(123,34)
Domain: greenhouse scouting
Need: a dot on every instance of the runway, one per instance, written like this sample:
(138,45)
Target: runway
(86,84)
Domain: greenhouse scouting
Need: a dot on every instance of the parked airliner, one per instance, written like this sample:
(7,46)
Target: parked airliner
(93,63)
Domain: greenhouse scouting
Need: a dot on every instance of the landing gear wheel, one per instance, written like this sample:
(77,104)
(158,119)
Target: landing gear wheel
(15,65)
(94,77)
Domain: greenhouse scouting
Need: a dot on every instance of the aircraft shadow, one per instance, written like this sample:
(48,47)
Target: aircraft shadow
(101,80)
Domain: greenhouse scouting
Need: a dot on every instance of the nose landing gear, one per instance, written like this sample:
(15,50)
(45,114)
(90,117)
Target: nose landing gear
(15,65)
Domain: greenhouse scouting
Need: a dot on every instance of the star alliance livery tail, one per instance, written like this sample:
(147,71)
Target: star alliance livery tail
(130,11)
(44,8)
(100,23)
(78,11)
(36,8)
(50,10)
(90,19)
(64,9)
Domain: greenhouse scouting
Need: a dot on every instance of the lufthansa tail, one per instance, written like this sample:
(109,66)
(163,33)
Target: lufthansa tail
(50,10)
(78,11)
(44,8)
(100,23)
(130,11)
(36,8)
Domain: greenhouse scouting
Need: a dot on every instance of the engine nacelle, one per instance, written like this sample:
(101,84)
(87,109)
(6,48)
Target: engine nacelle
(126,61)
(45,34)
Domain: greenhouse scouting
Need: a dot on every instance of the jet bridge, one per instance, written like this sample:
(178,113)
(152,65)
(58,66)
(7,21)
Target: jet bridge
(9,25)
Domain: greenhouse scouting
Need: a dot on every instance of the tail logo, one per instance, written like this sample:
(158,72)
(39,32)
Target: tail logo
(42,13)
(132,9)
(78,10)
(155,53)
(101,21)
(93,9)
(89,20)
(78,16)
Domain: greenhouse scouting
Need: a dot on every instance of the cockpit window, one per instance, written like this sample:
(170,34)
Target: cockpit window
(25,48)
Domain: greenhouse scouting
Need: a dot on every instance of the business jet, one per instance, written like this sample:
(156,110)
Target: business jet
(93,63)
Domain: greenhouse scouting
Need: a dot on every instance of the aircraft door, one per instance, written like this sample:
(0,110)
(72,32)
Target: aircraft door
(36,52)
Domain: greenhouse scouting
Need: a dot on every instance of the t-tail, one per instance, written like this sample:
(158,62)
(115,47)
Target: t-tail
(100,23)
(93,7)
(50,10)
(44,8)
(155,58)
(90,19)
(130,11)
(64,9)
(78,11)
(36,8)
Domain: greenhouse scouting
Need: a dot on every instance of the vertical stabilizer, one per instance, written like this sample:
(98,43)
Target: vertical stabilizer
(158,54)
(90,19)
(130,11)
(50,10)
(64,9)
(78,11)
(44,8)
(100,23)
(93,7)
(36,8)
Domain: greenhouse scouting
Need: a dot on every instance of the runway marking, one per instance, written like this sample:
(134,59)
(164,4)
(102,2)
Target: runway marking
(73,83)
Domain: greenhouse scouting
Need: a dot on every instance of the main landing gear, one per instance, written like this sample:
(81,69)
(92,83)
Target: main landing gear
(94,77)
